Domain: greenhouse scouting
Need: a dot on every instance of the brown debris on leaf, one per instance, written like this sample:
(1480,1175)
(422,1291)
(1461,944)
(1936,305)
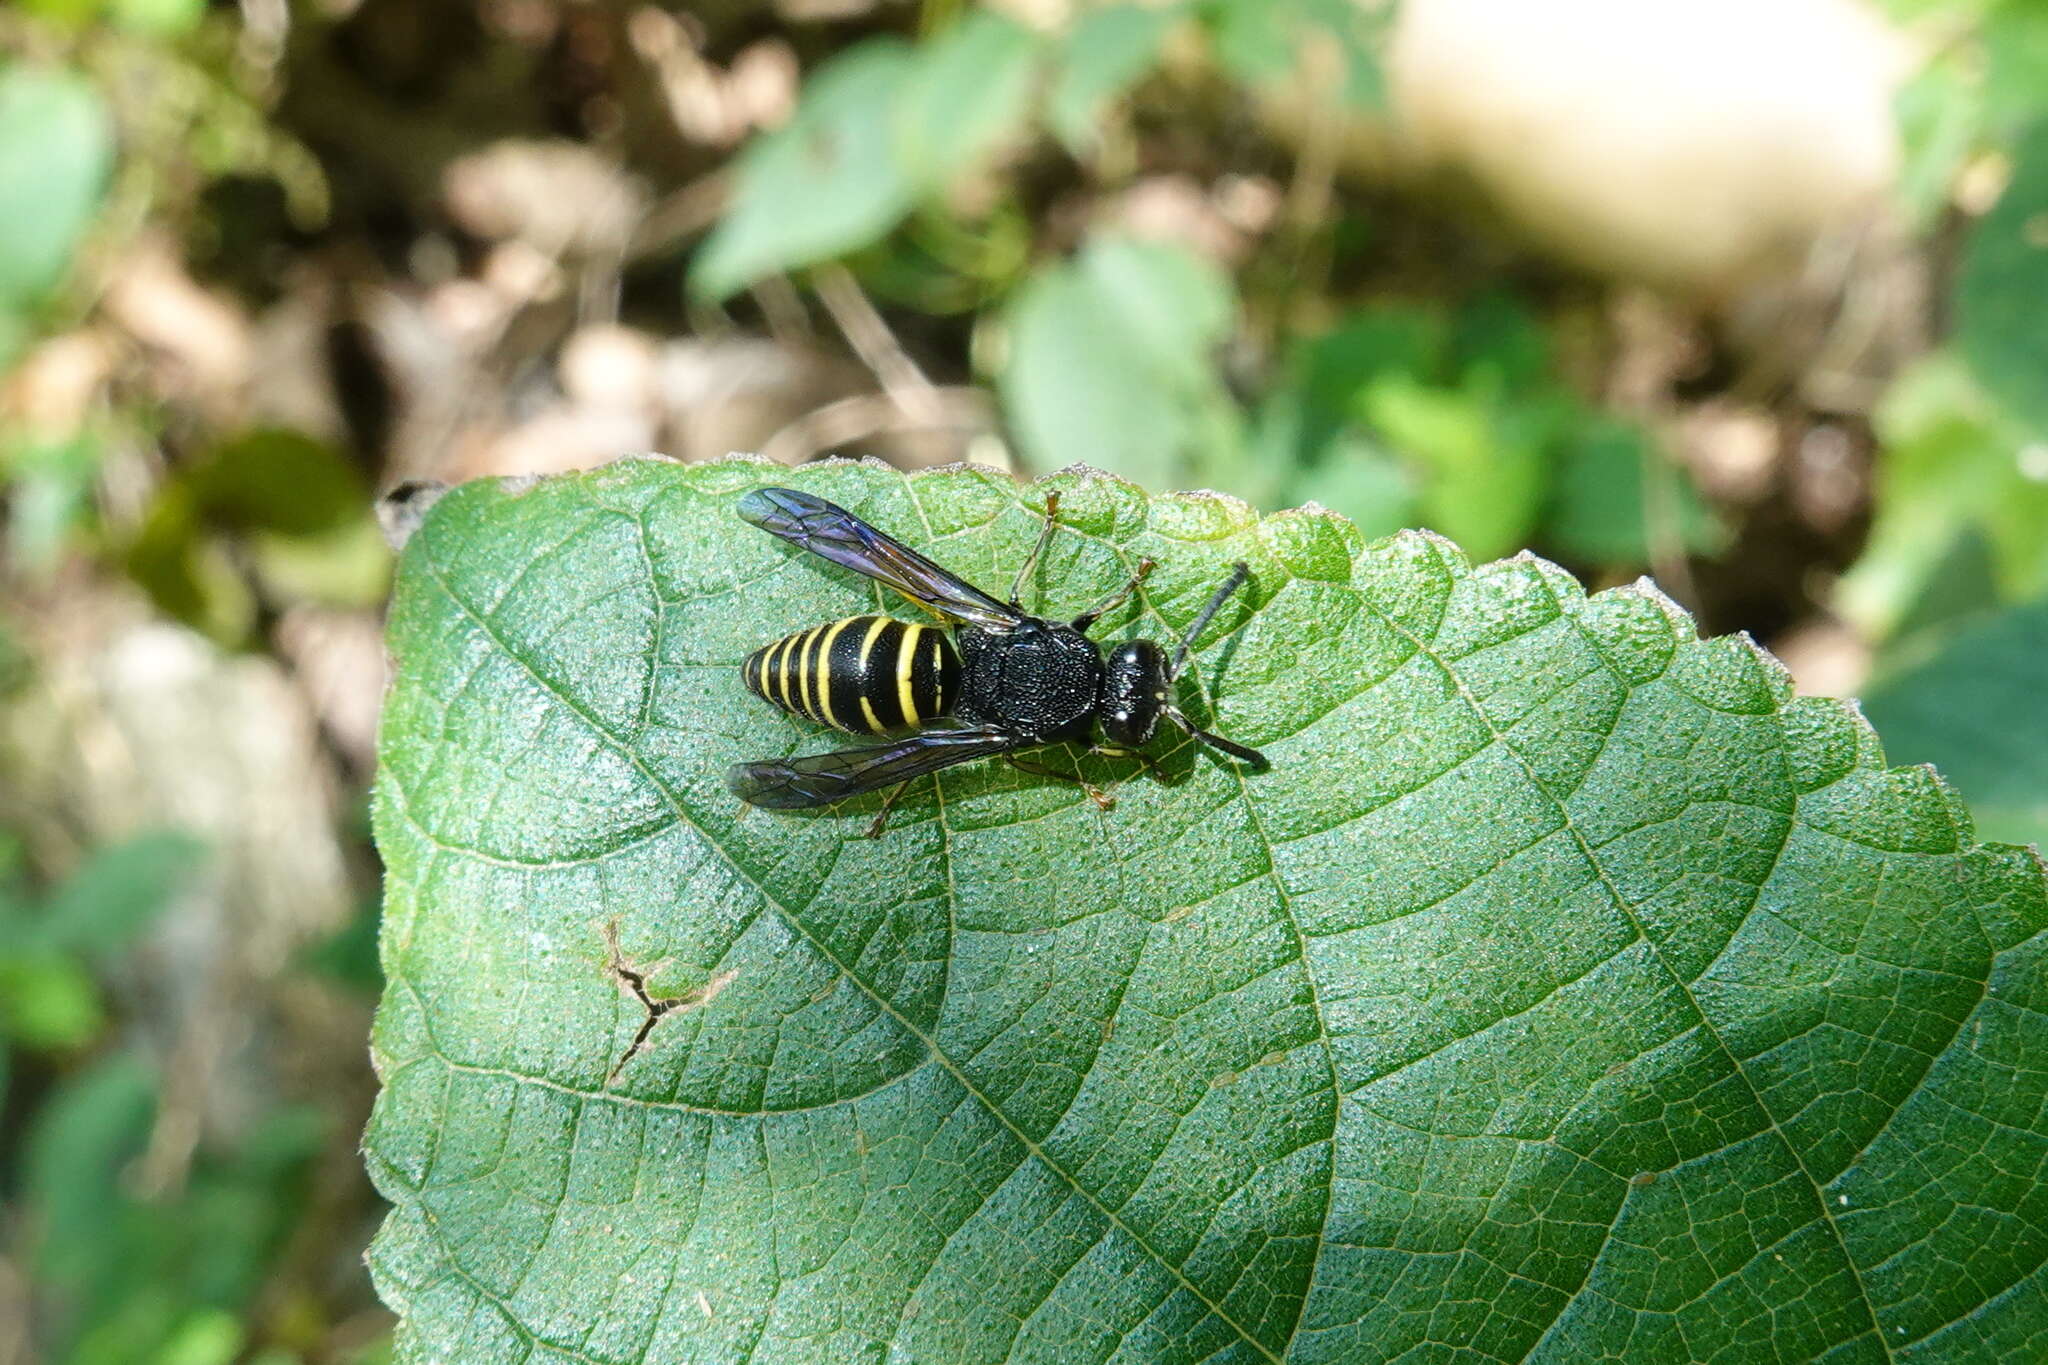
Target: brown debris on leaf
(633,980)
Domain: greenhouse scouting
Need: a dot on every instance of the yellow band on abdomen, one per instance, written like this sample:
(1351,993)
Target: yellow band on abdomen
(825,672)
(867,647)
(906,656)
(780,669)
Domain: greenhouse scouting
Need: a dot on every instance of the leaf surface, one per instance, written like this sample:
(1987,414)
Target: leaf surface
(1565,990)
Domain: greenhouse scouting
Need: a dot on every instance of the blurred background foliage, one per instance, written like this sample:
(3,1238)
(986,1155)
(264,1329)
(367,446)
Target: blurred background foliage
(1745,294)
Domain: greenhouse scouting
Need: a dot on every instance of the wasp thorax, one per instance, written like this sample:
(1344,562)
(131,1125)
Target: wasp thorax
(1134,691)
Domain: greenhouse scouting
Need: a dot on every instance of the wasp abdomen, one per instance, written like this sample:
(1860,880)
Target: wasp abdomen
(866,675)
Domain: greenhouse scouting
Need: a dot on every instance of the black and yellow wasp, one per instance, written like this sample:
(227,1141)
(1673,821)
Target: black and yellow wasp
(998,680)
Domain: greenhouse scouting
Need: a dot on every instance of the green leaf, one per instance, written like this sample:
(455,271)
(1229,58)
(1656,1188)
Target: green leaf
(1565,990)
(2015,51)
(1612,495)
(1961,586)
(46,1001)
(49,497)
(1261,42)
(1110,361)
(56,149)
(969,90)
(1459,420)
(278,480)
(1107,52)
(1486,472)
(2004,278)
(16,332)
(123,1277)
(299,505)
(1941,117)
(826,183)
(1362,483)
(207,1337)
(1497,334)
(1974,708)
(115,894)
(159,19)
(1308,436)
(71,12)
(348,956)
(186,570)
(1952,467)
(1330,371)
(83,1136)
(349,566)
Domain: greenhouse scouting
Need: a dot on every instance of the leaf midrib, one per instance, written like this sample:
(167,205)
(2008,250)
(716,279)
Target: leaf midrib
(1285,899)
(1269,872)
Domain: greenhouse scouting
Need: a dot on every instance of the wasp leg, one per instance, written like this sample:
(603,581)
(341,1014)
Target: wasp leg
(1052,512)
(881,820)
(1115,599)
(1149,763)
(1102,799)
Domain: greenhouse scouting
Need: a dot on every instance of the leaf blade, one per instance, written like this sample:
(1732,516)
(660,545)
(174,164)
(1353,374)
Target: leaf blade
(1279,1067)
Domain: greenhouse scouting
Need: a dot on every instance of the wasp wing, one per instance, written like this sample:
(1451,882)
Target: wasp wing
(830,530)
(820,779)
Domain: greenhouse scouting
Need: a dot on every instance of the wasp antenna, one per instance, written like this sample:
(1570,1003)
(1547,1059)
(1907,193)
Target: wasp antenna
(1240,574)
(1228,746)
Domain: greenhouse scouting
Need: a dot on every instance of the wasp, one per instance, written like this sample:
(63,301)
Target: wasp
(994,680)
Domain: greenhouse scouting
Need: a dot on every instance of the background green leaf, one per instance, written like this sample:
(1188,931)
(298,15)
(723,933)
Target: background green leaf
(1608,486)
(1960,478)
(2015,49)
(2004,278)
(1973,707)
(1261,42)
(101,907)
(1565,990)
(152,1278)
(164,19)
(56,148)
(1109,362)
(1109,48)
(49,495)
(1485,463)
(968,92)
(278,480)
(879,127)
(96,1123)
(827,182)
(48,998)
